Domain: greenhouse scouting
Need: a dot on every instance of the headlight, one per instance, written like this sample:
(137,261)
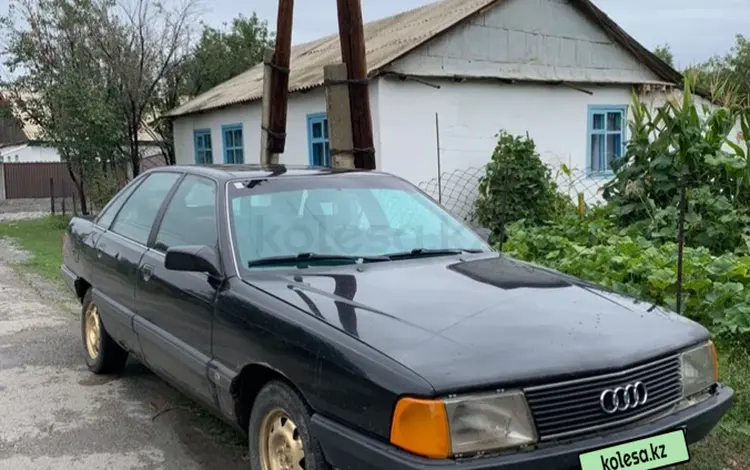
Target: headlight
(699,369)
(441,428)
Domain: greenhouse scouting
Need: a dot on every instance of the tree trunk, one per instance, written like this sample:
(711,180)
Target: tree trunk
(78,182)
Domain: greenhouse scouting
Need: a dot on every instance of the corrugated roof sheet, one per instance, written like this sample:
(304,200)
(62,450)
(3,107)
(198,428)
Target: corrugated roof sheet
(387,40)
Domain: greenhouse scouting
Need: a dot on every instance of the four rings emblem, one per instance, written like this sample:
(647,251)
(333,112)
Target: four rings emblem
(624,398)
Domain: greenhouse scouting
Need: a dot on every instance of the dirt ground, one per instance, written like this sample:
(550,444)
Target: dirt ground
(56,415)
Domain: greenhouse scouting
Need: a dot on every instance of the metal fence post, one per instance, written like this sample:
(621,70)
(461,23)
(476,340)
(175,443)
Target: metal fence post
(681,243)
(52,195)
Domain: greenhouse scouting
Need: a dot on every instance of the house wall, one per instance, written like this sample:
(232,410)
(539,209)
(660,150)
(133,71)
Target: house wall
(471,114)
(29,153)
(528,40)
(296,151)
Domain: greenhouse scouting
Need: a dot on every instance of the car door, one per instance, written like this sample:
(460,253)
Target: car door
(118,252)
(175,308)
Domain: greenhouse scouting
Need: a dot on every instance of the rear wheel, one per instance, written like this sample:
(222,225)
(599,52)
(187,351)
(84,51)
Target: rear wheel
(279,432)
(103,354)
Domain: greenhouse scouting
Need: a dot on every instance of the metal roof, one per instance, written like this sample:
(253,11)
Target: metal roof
(387,40)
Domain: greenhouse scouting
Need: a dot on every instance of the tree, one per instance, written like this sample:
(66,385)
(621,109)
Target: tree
(63,86)
(664,52)
(728,75)
(145,45)
(218,56)
(221,55)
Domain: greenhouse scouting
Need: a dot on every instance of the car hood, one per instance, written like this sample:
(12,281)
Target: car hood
(485,320)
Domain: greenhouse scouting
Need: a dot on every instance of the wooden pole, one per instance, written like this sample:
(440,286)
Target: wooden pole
(339,116)
(352,38)
(266,156)
(279,79)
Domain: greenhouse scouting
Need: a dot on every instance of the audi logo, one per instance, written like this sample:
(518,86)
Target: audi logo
(623,398)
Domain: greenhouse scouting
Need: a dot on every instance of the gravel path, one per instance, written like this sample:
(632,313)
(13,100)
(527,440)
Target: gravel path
(58,416)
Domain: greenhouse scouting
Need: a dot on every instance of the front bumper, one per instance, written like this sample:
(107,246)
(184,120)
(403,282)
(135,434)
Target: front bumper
(349,450)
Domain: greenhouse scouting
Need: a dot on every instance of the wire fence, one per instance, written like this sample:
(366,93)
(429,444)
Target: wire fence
(457,191)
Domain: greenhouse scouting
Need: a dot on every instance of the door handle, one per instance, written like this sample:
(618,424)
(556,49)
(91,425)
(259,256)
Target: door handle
(146,271)
(100,250)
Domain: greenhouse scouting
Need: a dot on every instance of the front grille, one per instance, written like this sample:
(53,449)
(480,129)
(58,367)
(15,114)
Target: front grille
(573,408)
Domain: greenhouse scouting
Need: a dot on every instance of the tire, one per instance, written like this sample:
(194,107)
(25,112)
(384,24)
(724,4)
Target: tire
(103,354)
(275,402)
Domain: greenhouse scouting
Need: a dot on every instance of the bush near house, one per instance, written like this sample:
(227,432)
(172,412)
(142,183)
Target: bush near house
(629,243)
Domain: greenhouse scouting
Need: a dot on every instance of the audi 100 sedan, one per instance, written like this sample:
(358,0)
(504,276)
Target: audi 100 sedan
(344,319)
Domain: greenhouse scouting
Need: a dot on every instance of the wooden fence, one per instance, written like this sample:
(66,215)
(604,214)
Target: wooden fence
(32,180)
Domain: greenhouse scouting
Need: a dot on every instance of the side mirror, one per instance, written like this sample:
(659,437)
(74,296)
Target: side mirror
(483,233)
(195,258)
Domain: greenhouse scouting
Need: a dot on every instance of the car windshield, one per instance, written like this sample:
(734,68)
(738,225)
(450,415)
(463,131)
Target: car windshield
(340,216)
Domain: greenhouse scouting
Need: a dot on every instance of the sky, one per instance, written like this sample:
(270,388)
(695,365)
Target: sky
(696,29)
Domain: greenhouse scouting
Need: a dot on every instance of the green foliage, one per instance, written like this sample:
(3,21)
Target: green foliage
(63,88)
(664,52)
(629,244)
(223,54)
(727,77)
(716,288)
(682,144)
(219,55)
(517,185)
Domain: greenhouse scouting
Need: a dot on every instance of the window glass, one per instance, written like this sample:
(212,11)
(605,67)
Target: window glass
(317,136)
(108,214)
(606,138)
(139,212)
(190,218)
(361,220)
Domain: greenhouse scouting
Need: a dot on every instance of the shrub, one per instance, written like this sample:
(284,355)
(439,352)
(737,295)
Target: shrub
(517,185)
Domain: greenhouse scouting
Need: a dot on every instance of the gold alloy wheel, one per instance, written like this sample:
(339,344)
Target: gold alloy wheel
(93,331)
(280,443)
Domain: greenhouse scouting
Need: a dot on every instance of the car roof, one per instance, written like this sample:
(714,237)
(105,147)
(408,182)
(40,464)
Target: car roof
(230,172)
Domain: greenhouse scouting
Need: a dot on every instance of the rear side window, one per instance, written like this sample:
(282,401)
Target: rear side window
(190,218)
(108,214)
(139,212)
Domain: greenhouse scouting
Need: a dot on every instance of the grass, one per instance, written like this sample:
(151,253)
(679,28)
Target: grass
(41,237)
(727,448)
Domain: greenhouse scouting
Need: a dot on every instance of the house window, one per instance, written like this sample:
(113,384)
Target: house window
(233,146)
(203,147)
(317,139)
(606,137)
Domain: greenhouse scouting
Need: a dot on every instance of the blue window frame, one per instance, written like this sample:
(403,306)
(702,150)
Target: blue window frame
(606,137)
(234,151)
(203,146)
(317,140)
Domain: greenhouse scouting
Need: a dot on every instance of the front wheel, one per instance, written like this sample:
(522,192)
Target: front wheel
(279,432)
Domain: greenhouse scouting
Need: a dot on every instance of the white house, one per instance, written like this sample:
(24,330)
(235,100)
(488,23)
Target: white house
(560,70)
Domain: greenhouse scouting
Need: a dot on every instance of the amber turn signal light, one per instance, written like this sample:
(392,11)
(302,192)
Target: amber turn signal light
(420,426)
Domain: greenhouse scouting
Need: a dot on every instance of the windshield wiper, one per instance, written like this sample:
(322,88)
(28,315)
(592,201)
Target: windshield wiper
(303,258)
(418,252)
